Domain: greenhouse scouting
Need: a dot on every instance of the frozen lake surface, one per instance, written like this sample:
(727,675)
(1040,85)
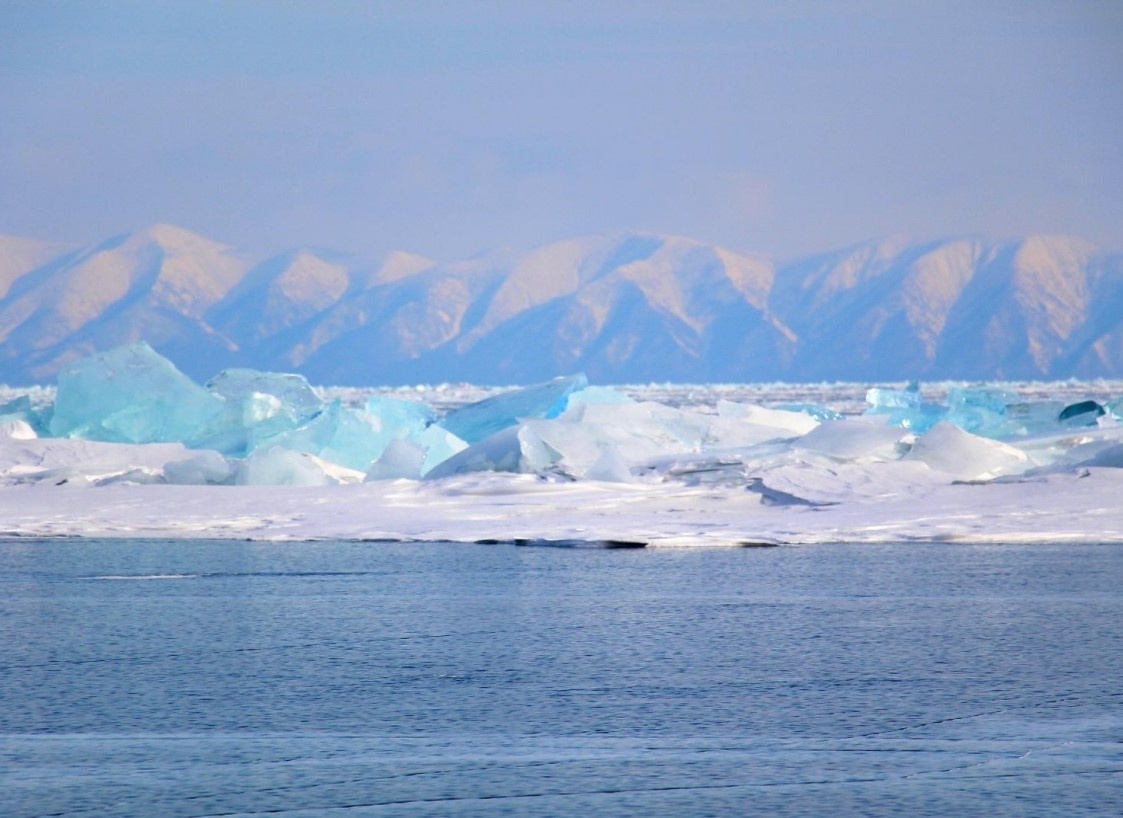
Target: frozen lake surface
(127,446)
(672,466)
(207,678)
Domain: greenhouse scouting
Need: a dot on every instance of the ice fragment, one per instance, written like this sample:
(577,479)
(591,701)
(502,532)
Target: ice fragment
(130,395)
(339,435)
(904,407)
(1083,413)
(477,421)
(514,449)
(400,459)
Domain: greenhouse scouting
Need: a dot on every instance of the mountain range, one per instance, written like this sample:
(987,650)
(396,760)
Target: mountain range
(631,308)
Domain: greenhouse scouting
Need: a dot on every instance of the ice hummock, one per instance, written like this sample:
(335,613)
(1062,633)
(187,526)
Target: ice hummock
(129,417)
(256,407)
(131,394)
(479,420)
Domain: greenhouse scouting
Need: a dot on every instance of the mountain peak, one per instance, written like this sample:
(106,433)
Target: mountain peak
(624,307)
(175,238)
(1050,251)
(398,264)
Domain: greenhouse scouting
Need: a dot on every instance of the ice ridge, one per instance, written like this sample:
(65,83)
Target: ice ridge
(130,415)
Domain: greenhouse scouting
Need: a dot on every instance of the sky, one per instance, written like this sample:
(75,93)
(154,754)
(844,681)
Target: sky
(449,128)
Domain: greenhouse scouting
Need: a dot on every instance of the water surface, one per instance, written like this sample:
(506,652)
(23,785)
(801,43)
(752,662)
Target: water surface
(221,678)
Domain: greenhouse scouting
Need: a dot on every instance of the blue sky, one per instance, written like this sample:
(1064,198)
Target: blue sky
(449,128)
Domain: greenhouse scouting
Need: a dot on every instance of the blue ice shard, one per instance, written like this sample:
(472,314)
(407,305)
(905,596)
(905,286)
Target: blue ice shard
(257,406)
(993,400)
(479,420)
(513,449)
(338,434)
(981,411)
(815,410)
(18,409)
(401,419)
(401,459)
(413,444)
(879,397)
(598,395)
(297,399)
(904,407)
(1039,417)
(131,394)
(439,445)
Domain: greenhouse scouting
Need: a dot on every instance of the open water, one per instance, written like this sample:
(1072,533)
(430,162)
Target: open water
(370,679)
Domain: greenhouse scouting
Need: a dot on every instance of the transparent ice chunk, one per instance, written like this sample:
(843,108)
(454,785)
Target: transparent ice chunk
(17,409)
(1037,418)
(981,411)
(816,411)
(674,429)
(264,395)
(477,421)
(514,449)
(37,414)
(993,400)
(131,394)
(883,398)
(404,419)
(400,459)
(339,435)
(597,394)
(904,407)
(1115,408)
(439,445)
(257,406)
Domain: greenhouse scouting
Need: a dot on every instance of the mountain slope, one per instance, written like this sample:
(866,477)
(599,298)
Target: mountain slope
(154,284)
(1016,317)
(636,307)
(875,308)
(19,256)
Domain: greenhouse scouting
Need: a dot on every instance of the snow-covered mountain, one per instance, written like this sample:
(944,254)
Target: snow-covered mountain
(156,284)
(627,308)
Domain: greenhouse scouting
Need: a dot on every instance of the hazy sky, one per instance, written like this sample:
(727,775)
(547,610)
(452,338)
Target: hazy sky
(448,128)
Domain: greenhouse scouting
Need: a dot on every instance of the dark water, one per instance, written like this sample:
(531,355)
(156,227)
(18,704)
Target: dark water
(353,679)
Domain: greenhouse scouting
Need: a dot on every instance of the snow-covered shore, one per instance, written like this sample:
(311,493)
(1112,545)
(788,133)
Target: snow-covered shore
(1060,508)
(129,447)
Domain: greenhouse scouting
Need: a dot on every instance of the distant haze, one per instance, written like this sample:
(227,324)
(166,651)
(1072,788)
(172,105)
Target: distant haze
(446,128)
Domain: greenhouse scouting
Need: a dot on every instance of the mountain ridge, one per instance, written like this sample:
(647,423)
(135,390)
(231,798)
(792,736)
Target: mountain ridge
(624,308)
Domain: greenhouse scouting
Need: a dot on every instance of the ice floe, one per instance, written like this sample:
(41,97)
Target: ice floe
(269,456)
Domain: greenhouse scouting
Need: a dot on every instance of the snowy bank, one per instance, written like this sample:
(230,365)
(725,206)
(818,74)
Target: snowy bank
(129,447)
